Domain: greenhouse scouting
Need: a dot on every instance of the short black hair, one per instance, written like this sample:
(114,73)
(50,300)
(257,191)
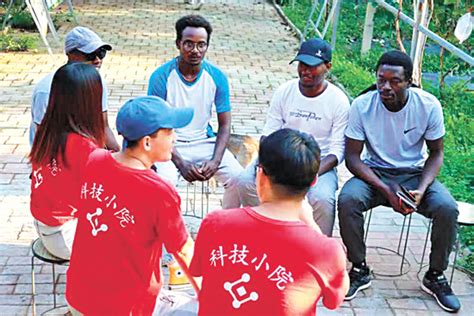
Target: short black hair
(397,58)
(290,159)
(192,20)
(134,143)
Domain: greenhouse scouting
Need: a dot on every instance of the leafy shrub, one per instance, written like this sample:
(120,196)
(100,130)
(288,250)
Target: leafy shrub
(16,43)
(23,20)
(352,76)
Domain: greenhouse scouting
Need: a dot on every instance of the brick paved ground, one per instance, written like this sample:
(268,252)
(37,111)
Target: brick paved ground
(253,46)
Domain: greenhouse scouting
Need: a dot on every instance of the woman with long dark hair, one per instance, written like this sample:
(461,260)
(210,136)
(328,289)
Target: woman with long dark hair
(71,129)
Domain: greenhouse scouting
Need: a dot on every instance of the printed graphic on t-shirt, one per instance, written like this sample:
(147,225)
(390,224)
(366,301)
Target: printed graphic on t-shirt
(97,192)
(260,262)
(308,115)
(53,168)
(37,177)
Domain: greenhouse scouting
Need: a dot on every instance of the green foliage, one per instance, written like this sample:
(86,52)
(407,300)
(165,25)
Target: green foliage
(351,27)
(18,17)
(356,72)
(354,77)
(457,173)
(459,116)
(61,17)
(10,43)
(22,20)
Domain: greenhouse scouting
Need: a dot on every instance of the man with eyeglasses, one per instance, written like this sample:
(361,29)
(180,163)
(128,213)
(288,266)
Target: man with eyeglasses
(189,80)
(81,45)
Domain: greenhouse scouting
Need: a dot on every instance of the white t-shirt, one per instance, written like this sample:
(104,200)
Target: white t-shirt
(209,90)
(41,98)
(324,116)
(396,139)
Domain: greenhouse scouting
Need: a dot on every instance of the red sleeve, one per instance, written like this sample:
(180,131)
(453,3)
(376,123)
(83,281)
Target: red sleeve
(199,255)
(171,228)
(334,274)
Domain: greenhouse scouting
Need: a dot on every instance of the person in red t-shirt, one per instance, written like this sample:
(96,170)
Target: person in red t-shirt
(264,260)
(72,128)
(127,213)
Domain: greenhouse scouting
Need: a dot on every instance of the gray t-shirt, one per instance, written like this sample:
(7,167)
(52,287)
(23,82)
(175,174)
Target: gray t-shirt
(41,98)
(396,139)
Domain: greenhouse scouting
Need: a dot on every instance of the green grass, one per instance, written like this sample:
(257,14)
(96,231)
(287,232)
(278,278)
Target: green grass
(356,72)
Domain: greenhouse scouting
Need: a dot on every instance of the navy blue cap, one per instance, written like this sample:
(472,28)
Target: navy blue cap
(143,116)
(314,52)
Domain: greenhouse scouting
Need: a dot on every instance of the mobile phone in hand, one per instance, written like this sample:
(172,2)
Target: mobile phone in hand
(407,198)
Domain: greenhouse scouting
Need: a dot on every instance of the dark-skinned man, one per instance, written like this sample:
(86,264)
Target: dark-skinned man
(80,45)
(190,80)
(313,105)
(397,123)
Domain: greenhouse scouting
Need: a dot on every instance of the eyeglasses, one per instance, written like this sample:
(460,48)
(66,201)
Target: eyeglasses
(100,53)
(190,45)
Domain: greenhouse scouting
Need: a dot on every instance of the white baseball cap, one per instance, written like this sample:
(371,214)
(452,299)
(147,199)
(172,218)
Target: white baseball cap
(84,40)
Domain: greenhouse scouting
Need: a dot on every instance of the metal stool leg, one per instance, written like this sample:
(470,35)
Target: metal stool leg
(428,229)
(203,185)
(369,215)
(208,191)
(192,204)
(54,285)
(187,198)
(33,286)
(457,245)
(401,234)
(406,241)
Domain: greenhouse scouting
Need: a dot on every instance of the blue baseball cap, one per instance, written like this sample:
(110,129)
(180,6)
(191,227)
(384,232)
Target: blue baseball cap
(143,116)
(314,52)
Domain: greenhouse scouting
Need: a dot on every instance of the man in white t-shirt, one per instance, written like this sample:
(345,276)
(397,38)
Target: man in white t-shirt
(189,80)
(81,45)
(397,123)
(313,105)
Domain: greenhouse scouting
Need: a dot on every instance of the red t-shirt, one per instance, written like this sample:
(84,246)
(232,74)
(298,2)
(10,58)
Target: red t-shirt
(124,218)
(254,265)
(54,186)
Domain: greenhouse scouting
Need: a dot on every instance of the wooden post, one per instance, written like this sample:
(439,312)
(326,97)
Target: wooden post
(335,21)
(416,32)
(368,28)
(422,17)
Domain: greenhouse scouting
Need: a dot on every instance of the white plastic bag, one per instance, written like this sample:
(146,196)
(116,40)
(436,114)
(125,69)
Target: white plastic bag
(464,27)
